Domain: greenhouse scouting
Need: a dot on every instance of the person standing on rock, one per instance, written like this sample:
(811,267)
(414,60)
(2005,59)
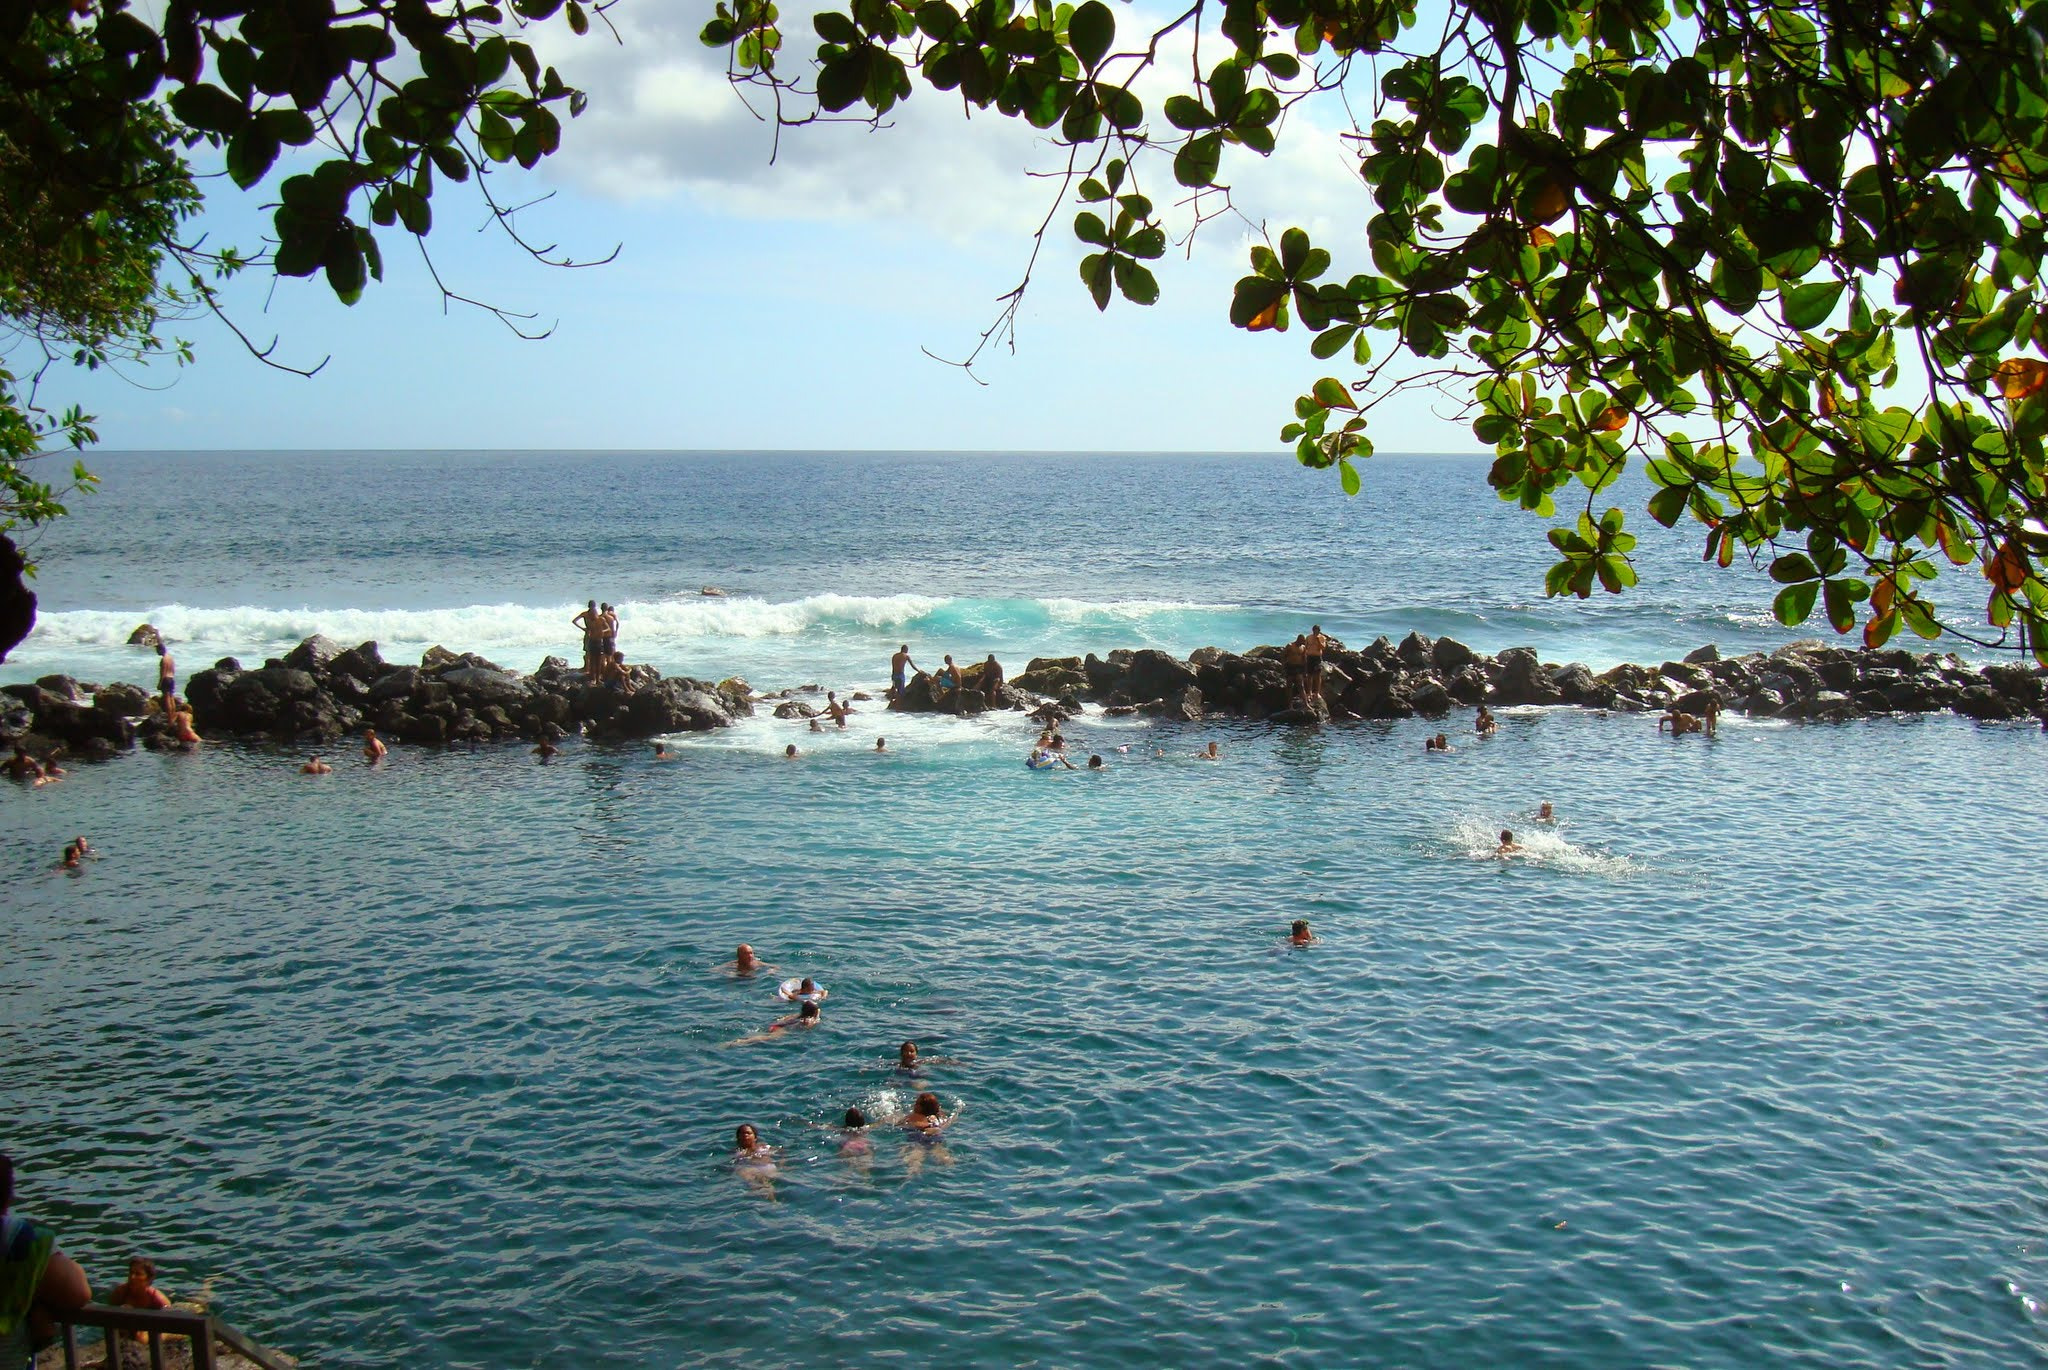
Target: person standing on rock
(992,680)
(1312,663)
(587,623)
(166,676)
(608,633)
(900,667)
(1294,662)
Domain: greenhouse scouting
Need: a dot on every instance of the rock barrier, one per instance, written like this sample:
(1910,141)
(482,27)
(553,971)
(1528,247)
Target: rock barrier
(320,691)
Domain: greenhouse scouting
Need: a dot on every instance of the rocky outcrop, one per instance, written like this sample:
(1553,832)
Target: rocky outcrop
(320,691)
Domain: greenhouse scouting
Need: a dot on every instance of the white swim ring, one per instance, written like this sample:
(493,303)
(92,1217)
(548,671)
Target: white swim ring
(792,989)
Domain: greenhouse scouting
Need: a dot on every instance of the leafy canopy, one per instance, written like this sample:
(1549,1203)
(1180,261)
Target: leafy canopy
(101,109)
(1783,255)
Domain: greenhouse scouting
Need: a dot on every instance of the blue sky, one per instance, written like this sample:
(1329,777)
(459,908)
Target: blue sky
(765,306)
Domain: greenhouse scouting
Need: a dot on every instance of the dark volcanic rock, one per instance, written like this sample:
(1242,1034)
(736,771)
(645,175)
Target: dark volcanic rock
(316,654)
(1415,652)
(1156,675)
(1184,704)
(1523,680)
(1451,655)
(129,701)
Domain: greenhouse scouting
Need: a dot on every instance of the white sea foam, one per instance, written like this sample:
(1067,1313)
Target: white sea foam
(1478,839)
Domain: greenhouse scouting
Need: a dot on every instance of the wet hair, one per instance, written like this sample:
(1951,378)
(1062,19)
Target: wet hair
(148,1266)
(790,750)
(878,743)
(1506,837)
(1300,926)
(904,648)
(854,1118)
(809,1010)
(740,1133)
(1095,762)
(808,985)
(928,1105)
(910,1047)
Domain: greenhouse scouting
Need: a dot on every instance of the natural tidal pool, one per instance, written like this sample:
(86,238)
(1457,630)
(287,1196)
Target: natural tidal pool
(429,1065)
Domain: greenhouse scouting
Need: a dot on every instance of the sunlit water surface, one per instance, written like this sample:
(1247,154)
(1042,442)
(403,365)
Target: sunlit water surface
(1742,1063)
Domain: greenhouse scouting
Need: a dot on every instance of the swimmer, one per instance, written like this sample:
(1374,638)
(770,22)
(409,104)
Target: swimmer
(927,1117)
(1095,764)
(855,1141)
(1124,750)
(807,989)
(662,753)
(1044,758)
(1545,814)
(315,766)
(1508,846)
(51,770)
(1712,713)
(837,710)
(374,749)
(1208,753)
(753,1160)
(745,963)
(908,1061)
(1484,724)
(547,750)
(789,752)
(1442,743)
(22,766)
(84,848)
(881,744)
(807,1016)
(71,859)
(1679,721)
(816,726)
(1300,936)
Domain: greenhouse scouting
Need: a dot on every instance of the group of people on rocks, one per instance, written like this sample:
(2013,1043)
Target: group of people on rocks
(949,681)
(603,662)
(1302,662)
(758,1163)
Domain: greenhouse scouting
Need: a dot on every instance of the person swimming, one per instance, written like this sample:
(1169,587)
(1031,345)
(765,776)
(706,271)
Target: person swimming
(1546,814)
(1208,753)
(789,752)
(1299,935)
(806,1016)
(315,766)
(855,1141)
(881,744)
(926,1117)
(1508,846)
(745,963)
(1095,763)
(806,989)
(1485,723)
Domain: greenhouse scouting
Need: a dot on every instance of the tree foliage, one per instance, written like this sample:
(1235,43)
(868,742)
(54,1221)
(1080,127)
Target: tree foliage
(1785,256)
(361,112)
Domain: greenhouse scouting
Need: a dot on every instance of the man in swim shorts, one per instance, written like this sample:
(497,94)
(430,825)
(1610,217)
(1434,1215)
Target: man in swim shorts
(166,676)
(1293,661)
(992,680)
(900,667)
(587,623)
(1312,662)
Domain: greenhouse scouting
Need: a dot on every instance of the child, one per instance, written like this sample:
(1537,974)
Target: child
(140,1291)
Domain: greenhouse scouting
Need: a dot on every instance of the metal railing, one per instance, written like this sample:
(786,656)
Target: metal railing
(198,1328)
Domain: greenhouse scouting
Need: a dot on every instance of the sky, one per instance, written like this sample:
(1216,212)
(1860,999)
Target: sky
(758,304)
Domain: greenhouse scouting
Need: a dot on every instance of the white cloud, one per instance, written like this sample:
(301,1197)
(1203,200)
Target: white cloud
(663,121)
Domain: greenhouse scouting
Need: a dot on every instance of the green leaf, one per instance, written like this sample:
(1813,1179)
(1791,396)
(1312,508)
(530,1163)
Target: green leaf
(1099,274)
(251,152)
(1795,602)
(1331,394)
(1347,475)
(1185,112)
(1792,568)
(1332,341)
(1089,228)
(1135,281)
(1091,31)
(1195,165)
(1807,307)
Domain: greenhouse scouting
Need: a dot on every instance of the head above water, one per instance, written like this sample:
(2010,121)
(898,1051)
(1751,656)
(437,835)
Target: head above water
(744,956)
(809,986)
(809,1012)
(1095,763)
(854,1118)
(141,1269)
(1507,839)
(907,1054)
(790,750)
(881,744)
(927,1105)
(1300,928)
(745,1138)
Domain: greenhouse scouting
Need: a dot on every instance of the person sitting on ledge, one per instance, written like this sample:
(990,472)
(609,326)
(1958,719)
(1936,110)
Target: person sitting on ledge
(182,732)
(315,766)
(36,1279)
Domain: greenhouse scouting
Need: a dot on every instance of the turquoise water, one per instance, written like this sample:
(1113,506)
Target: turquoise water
(429,1065)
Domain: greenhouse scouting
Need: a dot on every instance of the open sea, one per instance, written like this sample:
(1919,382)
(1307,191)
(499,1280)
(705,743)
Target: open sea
(434,1065)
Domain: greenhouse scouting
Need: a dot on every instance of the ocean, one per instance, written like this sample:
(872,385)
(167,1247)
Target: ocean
(434,1065)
